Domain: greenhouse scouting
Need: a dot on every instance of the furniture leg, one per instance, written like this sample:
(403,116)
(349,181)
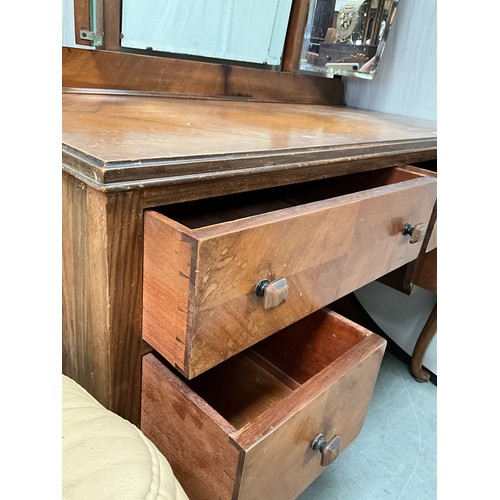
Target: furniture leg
(102,294)
(423,341)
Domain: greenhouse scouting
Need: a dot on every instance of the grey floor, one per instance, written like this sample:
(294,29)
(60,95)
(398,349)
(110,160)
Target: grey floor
(394,456)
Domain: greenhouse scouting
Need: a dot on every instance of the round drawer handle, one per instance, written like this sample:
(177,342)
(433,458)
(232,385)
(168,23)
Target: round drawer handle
(274,292)
(329,449)
(415,232)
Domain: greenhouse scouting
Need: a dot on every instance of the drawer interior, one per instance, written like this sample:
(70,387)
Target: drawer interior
(246,385)
(202,213)
(244,428)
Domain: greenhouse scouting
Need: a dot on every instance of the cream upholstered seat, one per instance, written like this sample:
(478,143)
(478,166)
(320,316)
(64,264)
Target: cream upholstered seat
(107,457)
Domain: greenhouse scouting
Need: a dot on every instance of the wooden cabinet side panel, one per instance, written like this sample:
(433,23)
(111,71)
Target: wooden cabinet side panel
(85,342)
(202,456)
(124,253)
(102,291)
(286,452)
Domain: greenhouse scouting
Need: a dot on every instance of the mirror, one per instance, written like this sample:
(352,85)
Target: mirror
(346,37)
(239,30)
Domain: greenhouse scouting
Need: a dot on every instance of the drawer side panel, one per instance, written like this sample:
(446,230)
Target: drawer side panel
(192,437)
(167,288)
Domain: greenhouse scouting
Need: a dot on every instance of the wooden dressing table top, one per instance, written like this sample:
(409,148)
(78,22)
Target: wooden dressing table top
(117,141)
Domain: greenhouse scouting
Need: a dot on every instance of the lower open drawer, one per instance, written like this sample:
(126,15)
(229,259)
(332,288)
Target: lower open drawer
(245,429)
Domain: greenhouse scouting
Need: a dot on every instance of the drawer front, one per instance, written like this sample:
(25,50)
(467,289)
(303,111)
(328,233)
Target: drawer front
(200,302)
(266,450)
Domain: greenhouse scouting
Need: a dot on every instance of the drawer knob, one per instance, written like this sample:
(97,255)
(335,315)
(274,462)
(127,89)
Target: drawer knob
(414,232)
(329,449)
(273,292)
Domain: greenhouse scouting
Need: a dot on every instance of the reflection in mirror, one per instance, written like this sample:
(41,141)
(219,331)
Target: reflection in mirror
(346,37)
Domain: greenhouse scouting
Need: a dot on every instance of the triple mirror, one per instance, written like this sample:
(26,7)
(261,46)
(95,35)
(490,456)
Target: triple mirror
(341,37)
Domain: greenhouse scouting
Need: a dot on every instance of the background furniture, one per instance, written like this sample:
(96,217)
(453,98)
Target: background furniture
(105,456)
(421,272)
(381,310)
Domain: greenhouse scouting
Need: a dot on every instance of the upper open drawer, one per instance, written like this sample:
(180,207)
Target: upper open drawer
(206,263)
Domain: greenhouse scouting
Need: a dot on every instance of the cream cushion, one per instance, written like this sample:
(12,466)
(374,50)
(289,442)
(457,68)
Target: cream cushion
(107,457)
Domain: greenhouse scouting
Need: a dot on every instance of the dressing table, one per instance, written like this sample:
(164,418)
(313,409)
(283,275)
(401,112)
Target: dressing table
(204,234)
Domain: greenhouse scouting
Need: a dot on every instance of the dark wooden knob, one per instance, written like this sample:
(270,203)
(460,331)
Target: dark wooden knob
(329,449)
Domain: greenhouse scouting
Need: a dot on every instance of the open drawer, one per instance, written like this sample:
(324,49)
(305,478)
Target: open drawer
(247,428)
(224,273)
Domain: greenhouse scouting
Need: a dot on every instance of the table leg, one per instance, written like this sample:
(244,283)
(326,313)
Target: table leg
(423,341)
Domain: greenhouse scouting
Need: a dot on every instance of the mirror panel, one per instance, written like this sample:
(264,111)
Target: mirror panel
(346,37)
(250,32)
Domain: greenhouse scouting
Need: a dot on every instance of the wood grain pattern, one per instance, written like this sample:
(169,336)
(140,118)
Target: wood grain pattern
(105,69)
(423,341)
(124,273)
(308,346)
(83,275)
(120,128)
(81,19)
(167,281)
(191,435)
(102,294)
(325,249)
(425,274)
(224,182)
(423,270)
(139,142)
(268,454)
(248,389)
(112,24)
(364,346)
(432,243)
(295,35)
(125,153)
(334,404)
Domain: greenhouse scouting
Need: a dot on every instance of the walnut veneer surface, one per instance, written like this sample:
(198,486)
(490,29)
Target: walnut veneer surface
(144,141)
(123,154)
